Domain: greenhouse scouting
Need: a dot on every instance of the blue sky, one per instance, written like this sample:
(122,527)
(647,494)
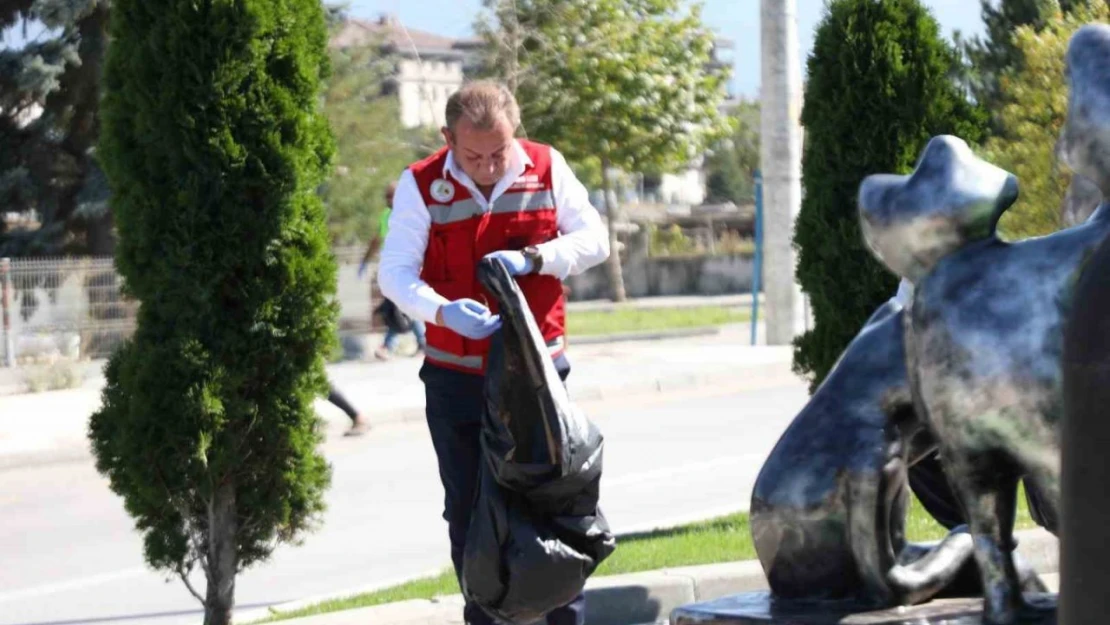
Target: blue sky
(736,19)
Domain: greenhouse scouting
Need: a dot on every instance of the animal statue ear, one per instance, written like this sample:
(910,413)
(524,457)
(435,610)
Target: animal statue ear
(1085,141)
(952,198)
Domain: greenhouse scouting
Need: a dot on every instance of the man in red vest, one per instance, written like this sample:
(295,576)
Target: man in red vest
(484,194)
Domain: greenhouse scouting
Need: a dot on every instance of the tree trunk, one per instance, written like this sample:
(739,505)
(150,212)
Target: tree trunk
(780,155)
(616,276)
(100,237)
(514,52)
(79,98)
(223,559)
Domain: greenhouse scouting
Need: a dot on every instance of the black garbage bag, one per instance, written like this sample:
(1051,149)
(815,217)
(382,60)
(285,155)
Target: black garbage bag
(536,532)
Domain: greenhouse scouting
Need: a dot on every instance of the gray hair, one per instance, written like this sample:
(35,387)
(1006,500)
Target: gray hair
(483,103)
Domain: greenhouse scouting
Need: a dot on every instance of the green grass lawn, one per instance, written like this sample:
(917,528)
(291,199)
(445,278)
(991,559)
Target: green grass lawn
(588,323)
(726,539)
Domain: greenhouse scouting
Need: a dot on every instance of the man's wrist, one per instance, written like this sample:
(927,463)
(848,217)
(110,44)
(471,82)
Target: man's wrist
(534,257)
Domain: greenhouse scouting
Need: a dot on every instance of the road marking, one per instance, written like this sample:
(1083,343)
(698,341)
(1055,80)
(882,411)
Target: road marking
(73,584)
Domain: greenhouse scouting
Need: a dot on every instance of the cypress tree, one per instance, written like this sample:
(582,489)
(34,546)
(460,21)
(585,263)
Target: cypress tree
(214,145)
(880,84)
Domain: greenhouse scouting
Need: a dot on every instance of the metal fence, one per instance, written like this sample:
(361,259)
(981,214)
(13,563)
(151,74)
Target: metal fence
(74,308)
(62,307)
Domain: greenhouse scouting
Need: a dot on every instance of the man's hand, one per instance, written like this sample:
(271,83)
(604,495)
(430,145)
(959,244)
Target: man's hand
(516,262)
(468,318)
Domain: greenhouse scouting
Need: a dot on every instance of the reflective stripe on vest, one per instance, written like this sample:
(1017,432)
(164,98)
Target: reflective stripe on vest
(554,347)
(516,202)
(508,203)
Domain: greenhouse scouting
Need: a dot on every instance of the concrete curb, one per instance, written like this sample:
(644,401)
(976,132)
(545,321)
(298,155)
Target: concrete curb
(644,597)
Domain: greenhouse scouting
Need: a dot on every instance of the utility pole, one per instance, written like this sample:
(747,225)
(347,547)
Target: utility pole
(781,164)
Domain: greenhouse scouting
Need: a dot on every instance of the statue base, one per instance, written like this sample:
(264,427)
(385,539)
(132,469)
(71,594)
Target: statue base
(759,608)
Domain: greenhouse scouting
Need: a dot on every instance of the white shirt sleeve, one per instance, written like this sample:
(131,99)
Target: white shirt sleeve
(583,240)
(403,254)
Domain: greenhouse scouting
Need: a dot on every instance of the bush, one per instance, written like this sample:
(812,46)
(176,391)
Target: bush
(56,376)
(880,85)
(214,147)
(670,241)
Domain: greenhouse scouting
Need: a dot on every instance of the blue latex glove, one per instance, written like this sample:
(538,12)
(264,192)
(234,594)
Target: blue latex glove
(362,270)
(516,262)
(470,319)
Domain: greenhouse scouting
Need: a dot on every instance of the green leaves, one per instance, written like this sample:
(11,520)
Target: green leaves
(879,86)
(624,80)
(732,161)
(373,148)
(1035,105)
(990,57)
(214,144)
(56,74)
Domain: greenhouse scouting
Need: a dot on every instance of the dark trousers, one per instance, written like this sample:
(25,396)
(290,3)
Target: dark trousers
(455,402)
(337,398)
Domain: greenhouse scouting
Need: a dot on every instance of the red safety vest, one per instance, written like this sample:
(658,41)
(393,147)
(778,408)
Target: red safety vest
(462,233)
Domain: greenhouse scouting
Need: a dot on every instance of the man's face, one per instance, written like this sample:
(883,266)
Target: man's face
(483,154)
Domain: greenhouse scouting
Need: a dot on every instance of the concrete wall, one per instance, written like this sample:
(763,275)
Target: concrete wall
(659,276)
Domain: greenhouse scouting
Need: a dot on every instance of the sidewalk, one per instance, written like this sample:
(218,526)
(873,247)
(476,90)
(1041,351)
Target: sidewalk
(51,426)
(638,598)
(14,381)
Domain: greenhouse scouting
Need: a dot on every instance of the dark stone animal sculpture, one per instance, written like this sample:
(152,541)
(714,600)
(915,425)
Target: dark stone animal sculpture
(985,332)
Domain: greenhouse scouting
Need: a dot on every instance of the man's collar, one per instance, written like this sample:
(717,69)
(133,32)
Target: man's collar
(521,154)
(451,167)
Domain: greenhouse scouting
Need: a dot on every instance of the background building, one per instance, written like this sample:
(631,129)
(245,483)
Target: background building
(428,68)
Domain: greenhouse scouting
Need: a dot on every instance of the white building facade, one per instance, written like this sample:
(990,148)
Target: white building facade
(423,87)
(428,70)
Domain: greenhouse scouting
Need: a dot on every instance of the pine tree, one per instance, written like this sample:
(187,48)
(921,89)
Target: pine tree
(989,57)
(214,144)
(49,102)
(880,85)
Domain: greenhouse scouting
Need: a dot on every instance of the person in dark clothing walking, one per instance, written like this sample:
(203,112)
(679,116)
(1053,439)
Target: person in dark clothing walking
(359,424)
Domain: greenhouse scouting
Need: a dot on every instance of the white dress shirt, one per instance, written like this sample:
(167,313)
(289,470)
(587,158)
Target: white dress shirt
(583,240)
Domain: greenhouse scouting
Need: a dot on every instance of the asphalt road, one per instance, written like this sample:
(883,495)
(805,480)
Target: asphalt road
(70,555)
